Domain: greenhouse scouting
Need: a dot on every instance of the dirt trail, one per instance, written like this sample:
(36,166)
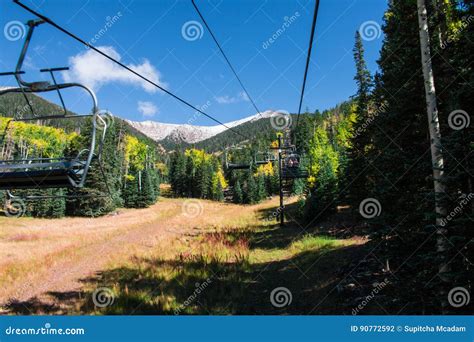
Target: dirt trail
(39,256)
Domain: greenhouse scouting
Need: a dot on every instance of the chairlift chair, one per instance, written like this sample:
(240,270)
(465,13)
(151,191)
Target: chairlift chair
(292,168)
(262,158)
(235,166)
(42,173)
(292,161)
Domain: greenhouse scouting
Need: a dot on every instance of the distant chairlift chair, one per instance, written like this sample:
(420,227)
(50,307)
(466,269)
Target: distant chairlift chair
(292,168)
(236,165)
(262,158)
(42,173)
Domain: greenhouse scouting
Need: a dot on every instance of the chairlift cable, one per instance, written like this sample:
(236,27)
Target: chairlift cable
(225,56)
(308,58)
(72,35)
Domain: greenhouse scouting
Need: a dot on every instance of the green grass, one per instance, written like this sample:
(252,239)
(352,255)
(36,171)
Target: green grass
(237,265)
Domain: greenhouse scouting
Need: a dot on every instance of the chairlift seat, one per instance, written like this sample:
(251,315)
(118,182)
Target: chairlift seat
(65,173)
(238,166)
(36,86)
(293,173)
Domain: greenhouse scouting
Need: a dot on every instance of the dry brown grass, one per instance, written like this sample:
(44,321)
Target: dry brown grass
(42,255)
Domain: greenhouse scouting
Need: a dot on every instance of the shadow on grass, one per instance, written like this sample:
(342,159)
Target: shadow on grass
(230,272)
(345,223)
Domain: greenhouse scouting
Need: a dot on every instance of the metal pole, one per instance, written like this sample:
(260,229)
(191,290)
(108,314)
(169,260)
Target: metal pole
(282,215)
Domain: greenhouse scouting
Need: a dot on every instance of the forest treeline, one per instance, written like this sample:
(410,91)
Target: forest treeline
(379,153)
(130,175)
(196,173)
(373,154)
(374,148)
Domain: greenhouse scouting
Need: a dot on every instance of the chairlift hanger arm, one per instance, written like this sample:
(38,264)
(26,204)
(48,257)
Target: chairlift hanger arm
(31,26)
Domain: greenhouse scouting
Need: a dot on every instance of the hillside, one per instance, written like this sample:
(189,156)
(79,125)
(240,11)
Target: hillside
(127,175)
(190,134)
(162,135)
(15,103)
(257,130)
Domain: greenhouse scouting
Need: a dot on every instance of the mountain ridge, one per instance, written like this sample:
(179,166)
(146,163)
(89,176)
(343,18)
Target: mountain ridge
(187,133)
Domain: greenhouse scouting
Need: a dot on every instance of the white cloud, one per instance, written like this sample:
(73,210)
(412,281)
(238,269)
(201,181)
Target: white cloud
(29,64)
(243,95)
(95,70)
(148,109)
(226,99)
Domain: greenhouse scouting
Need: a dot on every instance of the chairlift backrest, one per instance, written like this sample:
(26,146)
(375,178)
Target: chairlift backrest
(37,172)
(232,165)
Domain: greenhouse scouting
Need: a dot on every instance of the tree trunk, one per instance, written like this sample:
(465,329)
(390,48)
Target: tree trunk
(435,141)
(440,8)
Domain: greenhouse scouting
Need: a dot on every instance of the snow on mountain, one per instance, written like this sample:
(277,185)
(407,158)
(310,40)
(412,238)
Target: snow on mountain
(189,133)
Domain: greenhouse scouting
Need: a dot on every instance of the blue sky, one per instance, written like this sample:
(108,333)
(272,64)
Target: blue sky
(152,37)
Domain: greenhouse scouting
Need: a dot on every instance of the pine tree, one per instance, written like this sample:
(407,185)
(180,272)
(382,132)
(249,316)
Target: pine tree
(203,180)
(238,195)
(398,167)
(191,181)
(357,178)
(156,182)
(103,176)
(57,204)
(178,174)
(131,192)
(261,191)
(216,189)
(251,191)
(148,194)
(49,207)
(323,175)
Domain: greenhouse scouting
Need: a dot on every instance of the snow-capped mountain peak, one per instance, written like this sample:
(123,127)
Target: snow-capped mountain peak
(189,133)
